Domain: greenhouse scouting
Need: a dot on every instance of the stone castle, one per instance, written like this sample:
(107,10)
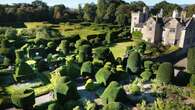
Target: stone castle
(176,30)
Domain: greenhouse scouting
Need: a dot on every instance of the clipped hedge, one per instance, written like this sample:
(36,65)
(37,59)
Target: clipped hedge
(103,76)
(65,90)
(165,73)
(134,62)
(24,98)
(87,69)
(114,93)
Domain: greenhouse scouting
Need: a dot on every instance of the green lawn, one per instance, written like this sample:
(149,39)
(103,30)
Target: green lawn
(68,29)
(119,49)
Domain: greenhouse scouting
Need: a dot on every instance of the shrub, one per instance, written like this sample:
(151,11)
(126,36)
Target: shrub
(81,42)
(90,105)
(19,56)
(104,54)
(42,66)
(65,90)
(11,34)
(114,92)
(148,65)
(134,62)
(192,81)
(85,53)
(90,85)
(63,47)
(191,61)
(137,35)
(87,69)
(134,89)
(24,98)
(115,106)
(71,104)
(103,76)
(165,73)
(146,75)
(54,106)
(23,71)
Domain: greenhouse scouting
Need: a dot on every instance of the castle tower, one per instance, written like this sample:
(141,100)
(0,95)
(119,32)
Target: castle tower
(136,18)
(183,15)
(175,14)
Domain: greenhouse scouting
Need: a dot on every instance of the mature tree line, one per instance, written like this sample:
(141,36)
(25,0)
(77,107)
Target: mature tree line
(105,11)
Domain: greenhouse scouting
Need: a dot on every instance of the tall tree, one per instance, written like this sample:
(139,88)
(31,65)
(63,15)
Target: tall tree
(101,9)
(110,13)
(190,10)
(167,8)
(89,12)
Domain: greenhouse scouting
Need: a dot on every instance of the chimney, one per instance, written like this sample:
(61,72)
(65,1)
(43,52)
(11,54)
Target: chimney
(175,14)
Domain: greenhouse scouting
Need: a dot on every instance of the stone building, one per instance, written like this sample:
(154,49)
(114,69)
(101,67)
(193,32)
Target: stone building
(176,30)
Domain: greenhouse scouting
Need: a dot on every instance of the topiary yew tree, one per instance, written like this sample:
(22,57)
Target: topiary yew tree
(104,54)
(24,98)
(134,62)
(114,93)
(87,69)
(165,73)
(191,61)
(63,47)
(85,53)
(65,90)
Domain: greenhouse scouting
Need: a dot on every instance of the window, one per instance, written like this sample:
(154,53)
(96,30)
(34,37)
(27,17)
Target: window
(135,18)
(150,28)
(172,30)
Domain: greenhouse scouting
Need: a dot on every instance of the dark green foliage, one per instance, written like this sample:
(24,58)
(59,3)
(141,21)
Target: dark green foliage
(85,53)
(55,106)
(87,69)
(51,45)
(134,89)
(65,90)
(115,106)
(6,61)
(191,61)
(89,105)
(23,98)
(146,75)
(11,34)
(63,47)
(165,73)
(166,6)
(42,66)
(192,81)
(23,71)
(114,93)
(104,54)
(71,104)
(148,65)
(19,56)
(134,62)
(190,9)
(112,36)
(80,43)
(101,10)
(89,12)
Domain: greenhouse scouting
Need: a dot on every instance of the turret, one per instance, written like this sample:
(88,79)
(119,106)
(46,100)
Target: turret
(160,15)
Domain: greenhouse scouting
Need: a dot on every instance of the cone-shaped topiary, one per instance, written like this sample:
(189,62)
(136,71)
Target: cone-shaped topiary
(87,69)
(114,92)
(65,90)
(24,98)
(115,106)
(165,73)
(191,61)
(134,62)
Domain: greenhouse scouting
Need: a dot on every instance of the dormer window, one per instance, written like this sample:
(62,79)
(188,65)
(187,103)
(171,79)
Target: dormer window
(135,18)
(150,28)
